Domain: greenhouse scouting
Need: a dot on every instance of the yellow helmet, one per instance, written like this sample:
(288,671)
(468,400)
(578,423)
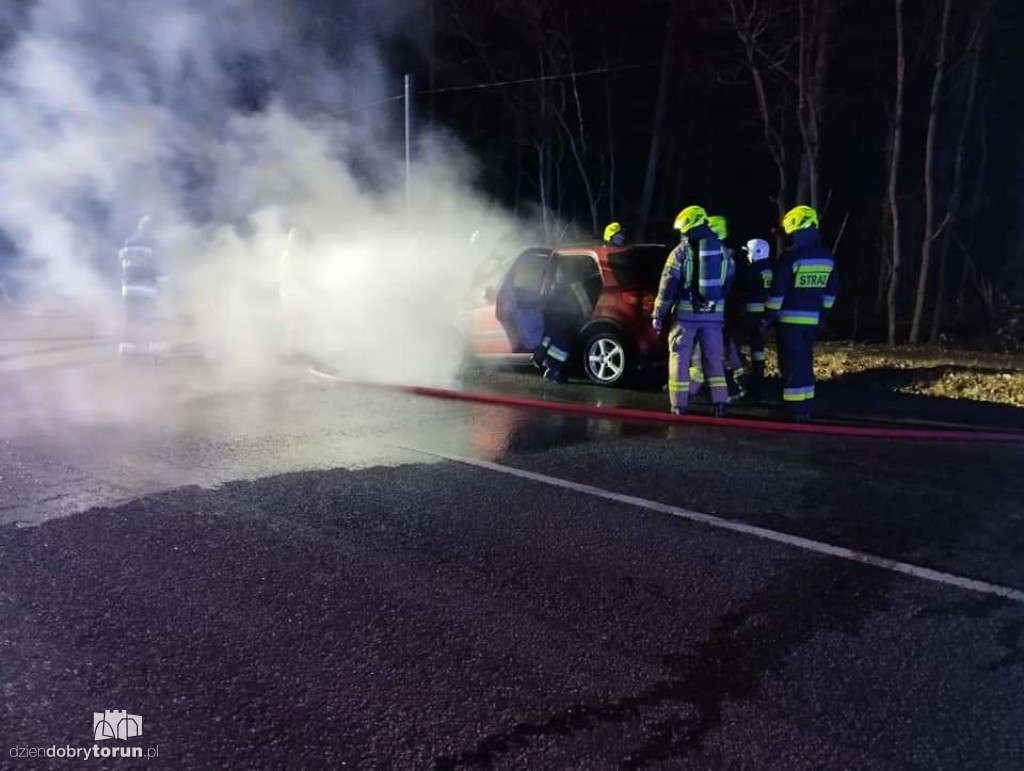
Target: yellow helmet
(689,218)
(612,230)
(799,218)
(719,224)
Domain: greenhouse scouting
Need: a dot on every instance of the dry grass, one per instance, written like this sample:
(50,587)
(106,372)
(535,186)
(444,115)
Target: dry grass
(952,374)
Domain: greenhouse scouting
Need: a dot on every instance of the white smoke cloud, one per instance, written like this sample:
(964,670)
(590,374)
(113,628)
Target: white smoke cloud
(229,123)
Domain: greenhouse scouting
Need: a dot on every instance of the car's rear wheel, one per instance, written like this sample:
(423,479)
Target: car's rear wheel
(606,358)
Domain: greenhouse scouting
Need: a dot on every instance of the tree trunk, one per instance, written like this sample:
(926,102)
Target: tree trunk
(519,179)
(883,276)
(544,168)
(748,25)
(826,14)
(657,129)
(557,165)
(929,177)
(955,193)
(581,166)
(431,61)
(777,150)
(977,200)
(894,168)
(542,186)
(812,75)
(610,129)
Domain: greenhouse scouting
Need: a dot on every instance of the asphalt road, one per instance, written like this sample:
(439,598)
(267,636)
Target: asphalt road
(319,575)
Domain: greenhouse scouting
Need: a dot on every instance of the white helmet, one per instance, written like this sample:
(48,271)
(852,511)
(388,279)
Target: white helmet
(757,249)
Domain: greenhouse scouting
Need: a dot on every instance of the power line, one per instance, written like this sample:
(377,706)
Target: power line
(368,105)
(496,84)
(563,76)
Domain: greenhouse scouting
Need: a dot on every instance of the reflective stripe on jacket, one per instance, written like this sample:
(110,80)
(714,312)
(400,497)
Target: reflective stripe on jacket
(804,281)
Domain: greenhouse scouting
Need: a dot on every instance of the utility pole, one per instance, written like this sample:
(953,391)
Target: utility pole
(408,136)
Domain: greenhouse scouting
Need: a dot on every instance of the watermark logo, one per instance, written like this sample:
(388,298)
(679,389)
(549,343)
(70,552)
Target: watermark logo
(115,724)
(109,724)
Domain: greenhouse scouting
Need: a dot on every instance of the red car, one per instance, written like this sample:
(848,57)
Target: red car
(615,288)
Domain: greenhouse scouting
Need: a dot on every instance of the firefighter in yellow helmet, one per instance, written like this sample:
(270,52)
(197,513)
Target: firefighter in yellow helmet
(735,369)
(691,298)
(804,284)
(614,235)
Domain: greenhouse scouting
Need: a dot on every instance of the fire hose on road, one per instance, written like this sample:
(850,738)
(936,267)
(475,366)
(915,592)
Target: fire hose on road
(652,416)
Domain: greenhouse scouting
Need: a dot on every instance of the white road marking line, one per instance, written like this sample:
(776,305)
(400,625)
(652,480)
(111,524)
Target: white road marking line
(927,574)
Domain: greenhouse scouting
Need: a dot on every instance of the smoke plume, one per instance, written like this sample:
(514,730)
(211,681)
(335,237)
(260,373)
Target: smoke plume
(245,130)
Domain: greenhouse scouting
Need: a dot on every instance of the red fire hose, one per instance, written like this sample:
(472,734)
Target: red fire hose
(652,416)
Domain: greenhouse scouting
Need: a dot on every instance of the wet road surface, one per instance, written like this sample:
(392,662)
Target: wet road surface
(303,576)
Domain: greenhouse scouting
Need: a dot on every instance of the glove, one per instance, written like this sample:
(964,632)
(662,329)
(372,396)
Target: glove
(657,325)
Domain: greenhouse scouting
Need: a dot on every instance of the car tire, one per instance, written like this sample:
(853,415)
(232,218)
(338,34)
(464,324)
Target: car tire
(607,357)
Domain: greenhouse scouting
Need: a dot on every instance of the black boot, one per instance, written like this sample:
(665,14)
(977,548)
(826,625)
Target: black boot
(719,410)
(756,381)
(556,375)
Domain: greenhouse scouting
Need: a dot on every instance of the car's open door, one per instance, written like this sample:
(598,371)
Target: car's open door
(519,305)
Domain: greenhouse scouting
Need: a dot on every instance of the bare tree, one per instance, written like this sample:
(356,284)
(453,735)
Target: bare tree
(894,169)
(930,230)
(974,48)
(750,24)
(813,46)
(610,129)
(658,123)
(577,146)
(974,212)
(531,109)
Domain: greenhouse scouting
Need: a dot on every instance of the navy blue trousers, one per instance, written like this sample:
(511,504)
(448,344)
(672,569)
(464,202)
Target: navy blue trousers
(796,359)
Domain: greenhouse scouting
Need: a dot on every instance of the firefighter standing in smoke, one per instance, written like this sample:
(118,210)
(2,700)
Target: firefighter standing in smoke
(139,293)
(693,285)
(804,283)
(289,298)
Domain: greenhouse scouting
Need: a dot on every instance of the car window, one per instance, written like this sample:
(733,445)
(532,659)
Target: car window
(579,272)
(576,267)
(639,266)
(529,271)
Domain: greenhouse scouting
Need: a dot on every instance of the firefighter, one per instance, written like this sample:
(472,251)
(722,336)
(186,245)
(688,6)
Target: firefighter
(734,365)
(755,281)
(803,284)
(139,294)
(614,235)
(289,294)
(720,227)
(692,289)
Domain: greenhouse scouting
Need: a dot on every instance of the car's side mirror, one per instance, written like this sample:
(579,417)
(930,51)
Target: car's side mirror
(490,293)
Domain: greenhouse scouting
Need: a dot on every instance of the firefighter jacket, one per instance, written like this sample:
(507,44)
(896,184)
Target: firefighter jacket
(804,282)
(695,280)
(754,282)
